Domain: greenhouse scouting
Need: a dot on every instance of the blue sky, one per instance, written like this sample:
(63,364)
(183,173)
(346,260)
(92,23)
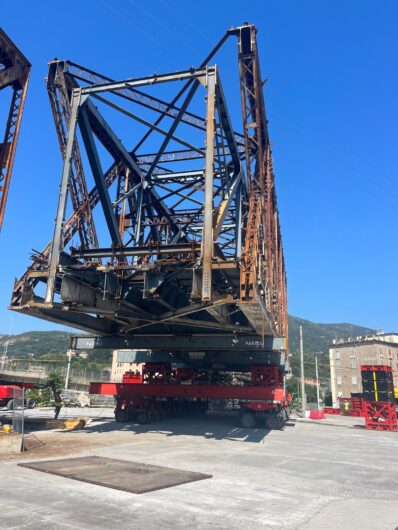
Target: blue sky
(331,97)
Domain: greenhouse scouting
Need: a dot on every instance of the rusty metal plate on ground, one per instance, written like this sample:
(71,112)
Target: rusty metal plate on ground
(124,475)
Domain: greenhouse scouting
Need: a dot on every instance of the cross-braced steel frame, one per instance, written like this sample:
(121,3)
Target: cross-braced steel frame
(14,77)
(179,236)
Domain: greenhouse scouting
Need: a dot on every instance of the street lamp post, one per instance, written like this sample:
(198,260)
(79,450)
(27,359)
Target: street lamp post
(317,381)
(303,397)
(69,353)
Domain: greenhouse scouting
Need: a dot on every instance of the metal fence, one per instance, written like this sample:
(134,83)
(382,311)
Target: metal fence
(42,370)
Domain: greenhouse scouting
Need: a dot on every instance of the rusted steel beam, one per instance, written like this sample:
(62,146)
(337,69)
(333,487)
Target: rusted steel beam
(14,75)
(263,260)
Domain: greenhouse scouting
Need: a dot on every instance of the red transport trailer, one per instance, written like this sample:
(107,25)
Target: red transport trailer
(163,391)
(11,394)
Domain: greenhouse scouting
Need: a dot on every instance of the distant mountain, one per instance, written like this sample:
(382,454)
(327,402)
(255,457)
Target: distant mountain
(36,343)
(318,337)
(49,346)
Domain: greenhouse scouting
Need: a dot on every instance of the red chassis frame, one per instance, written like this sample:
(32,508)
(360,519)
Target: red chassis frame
(169,390)
(160,381)
(162,391)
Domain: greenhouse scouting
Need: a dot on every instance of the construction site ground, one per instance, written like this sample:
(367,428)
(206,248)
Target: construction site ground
(327,474)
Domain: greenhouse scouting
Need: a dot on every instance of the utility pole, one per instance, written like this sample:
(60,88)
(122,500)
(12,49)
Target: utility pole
(69,354)
(317,381)
(6,344)
(303,398)
(23,421)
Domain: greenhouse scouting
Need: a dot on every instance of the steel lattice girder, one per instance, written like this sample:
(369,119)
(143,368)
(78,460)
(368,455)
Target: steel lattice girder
(14,77)
(189,214)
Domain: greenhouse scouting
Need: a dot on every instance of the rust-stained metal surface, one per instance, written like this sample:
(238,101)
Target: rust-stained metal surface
(176,235)
(14,77)
(123,475)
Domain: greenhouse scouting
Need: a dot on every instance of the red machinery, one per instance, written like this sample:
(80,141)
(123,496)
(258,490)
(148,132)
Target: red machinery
(7,395)
(333,410)
(164,391)
(381,416)
(357,406)
(10,394)
(378,392)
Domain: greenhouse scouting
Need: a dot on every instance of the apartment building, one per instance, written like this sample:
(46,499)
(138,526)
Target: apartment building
(347,355)
(125,361)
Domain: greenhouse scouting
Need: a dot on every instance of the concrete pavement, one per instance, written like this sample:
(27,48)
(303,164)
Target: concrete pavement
(309,476)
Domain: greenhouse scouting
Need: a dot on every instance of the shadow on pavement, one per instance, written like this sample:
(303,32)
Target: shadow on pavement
(213,425)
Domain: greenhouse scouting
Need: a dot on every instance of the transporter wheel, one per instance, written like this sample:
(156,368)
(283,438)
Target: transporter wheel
(274,421)
(122,415)
(143,417)
(248,420)
(30,403)
(10,404)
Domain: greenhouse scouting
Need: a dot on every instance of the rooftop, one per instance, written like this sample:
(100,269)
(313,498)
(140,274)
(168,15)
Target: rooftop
(378,336)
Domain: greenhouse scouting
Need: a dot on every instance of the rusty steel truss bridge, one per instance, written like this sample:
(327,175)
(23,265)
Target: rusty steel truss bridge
(14,77)
(167,233)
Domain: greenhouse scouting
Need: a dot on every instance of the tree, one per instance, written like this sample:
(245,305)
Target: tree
(56,382)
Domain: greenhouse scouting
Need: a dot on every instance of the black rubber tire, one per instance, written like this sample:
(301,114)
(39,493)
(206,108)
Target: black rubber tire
(30,403)
(248,420)
(10,404)
(274,421)
(122,415)
(142,417)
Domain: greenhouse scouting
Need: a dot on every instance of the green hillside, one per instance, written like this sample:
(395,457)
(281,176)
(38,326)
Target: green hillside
(36,343)
(316,340)
(318,337)
(49,346)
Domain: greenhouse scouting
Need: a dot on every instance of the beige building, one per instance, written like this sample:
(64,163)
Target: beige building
(124,361)
(347,355)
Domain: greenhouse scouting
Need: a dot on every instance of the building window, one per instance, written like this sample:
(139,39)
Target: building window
(337,363)
(339,381)
(354,380)
(337,354)
(353,363)
(352,353)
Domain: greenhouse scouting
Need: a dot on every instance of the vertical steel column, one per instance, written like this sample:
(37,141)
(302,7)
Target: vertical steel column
(238,221)
(57,242)
(60,87)
(14,75)
(207,239)
(9,145)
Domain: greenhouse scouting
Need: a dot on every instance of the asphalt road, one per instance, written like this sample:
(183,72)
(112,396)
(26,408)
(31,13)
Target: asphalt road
(310,476)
